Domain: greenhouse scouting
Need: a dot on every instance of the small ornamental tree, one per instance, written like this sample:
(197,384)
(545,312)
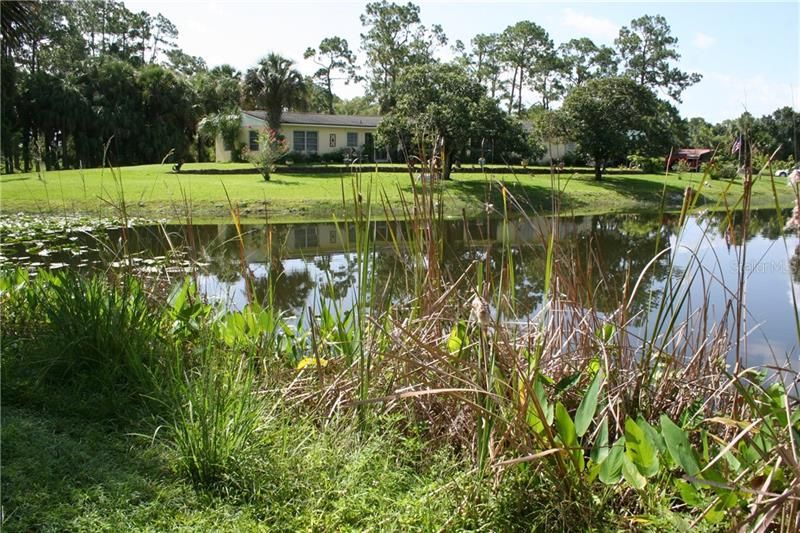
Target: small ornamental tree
(271,147)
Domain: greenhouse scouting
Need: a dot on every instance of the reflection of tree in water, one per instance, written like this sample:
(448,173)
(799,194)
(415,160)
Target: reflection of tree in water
(290,289)
(597,259)
(597,256)
(766,223)
(338,280)
(616,251)
(223,263)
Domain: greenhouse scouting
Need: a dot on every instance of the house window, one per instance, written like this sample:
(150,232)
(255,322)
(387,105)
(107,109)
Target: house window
(299,141)
(311,142)
(253,141)
(305,141)
(306,237)
(332,140)
(352,139)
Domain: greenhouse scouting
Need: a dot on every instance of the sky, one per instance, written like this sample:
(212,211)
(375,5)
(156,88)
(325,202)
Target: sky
(747,52)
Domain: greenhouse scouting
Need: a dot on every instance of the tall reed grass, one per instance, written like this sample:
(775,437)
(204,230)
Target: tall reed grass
(582,415)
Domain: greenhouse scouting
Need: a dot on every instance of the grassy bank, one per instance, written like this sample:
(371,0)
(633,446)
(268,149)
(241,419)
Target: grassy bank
(153,191)
(428,403)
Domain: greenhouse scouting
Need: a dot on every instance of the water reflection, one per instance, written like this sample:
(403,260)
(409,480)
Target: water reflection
(293,264)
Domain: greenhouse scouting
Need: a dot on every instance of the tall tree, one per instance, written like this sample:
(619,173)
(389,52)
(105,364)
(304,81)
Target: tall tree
(545,78)
(395,40)
(274,85)
(485,62)
(332,56)
(783,130)
(186,64)
(647,48)
(522,45)
(610,117)
(584,60)
(168,113)
(440,105)
(163,35)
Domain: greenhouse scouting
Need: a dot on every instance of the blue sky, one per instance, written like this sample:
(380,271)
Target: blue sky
(748,53)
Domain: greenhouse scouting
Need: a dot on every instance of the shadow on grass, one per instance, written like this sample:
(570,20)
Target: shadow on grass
(529,196)
(8,178)
(644,190)
(61,475)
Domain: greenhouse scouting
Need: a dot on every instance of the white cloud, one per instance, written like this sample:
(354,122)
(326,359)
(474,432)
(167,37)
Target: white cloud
(721,96)
(594,27)
(703,41)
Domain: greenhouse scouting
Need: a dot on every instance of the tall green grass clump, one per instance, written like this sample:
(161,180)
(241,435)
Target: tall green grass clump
(94,336)
(214,411)
(212,408)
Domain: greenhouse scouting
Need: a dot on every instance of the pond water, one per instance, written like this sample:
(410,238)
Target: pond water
(301,262)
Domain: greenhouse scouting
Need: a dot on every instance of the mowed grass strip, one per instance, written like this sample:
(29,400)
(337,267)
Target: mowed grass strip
(154,191)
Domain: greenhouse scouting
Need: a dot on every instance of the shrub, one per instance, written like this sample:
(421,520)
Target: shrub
(574,159)
(648,165)
(216,412)
(717,170)
(99,337)
(271,148)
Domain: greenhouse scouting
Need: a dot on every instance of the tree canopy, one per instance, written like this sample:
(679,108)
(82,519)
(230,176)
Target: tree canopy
(274,85)
(332,55)
(647,49)
(610,117)
(439,106)
(395,39)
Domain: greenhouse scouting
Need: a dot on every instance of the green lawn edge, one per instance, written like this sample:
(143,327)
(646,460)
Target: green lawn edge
(155,192)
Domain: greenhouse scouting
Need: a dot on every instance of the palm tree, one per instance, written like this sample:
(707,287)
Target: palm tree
(274,85)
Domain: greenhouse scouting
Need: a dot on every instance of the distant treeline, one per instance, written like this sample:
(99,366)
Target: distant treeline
(86,82)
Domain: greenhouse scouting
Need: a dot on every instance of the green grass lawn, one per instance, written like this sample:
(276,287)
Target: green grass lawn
(153,191)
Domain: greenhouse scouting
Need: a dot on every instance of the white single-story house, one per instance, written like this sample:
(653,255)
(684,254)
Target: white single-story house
(308,133)
(319,134)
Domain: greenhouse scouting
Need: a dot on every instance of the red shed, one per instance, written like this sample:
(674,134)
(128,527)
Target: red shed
(693,156)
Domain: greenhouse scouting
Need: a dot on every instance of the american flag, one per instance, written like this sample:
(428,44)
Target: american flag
(737,144)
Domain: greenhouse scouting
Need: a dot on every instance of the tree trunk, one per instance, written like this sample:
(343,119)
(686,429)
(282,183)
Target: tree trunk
(26,150)
(598,170)
(447,164)
(513,88)
(200,149)
(330,95)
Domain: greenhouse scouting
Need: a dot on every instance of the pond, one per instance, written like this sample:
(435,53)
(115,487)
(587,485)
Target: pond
(297,264)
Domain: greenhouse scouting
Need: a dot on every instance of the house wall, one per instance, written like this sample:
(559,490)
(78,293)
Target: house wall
(248,123)
(324,133)
(556,152)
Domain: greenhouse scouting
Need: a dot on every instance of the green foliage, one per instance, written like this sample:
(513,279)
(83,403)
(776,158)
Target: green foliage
(718,170)
(98,336)
(439,105)
(523,47)
(584,416)
(584,60)
(215,412)
(639,450)
(332,55)
(274,85)
(394,40)
(646,50)
(271,149)
(611,117)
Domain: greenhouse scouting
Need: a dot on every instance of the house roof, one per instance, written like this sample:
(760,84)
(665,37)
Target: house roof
(692,153)
(320,119)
